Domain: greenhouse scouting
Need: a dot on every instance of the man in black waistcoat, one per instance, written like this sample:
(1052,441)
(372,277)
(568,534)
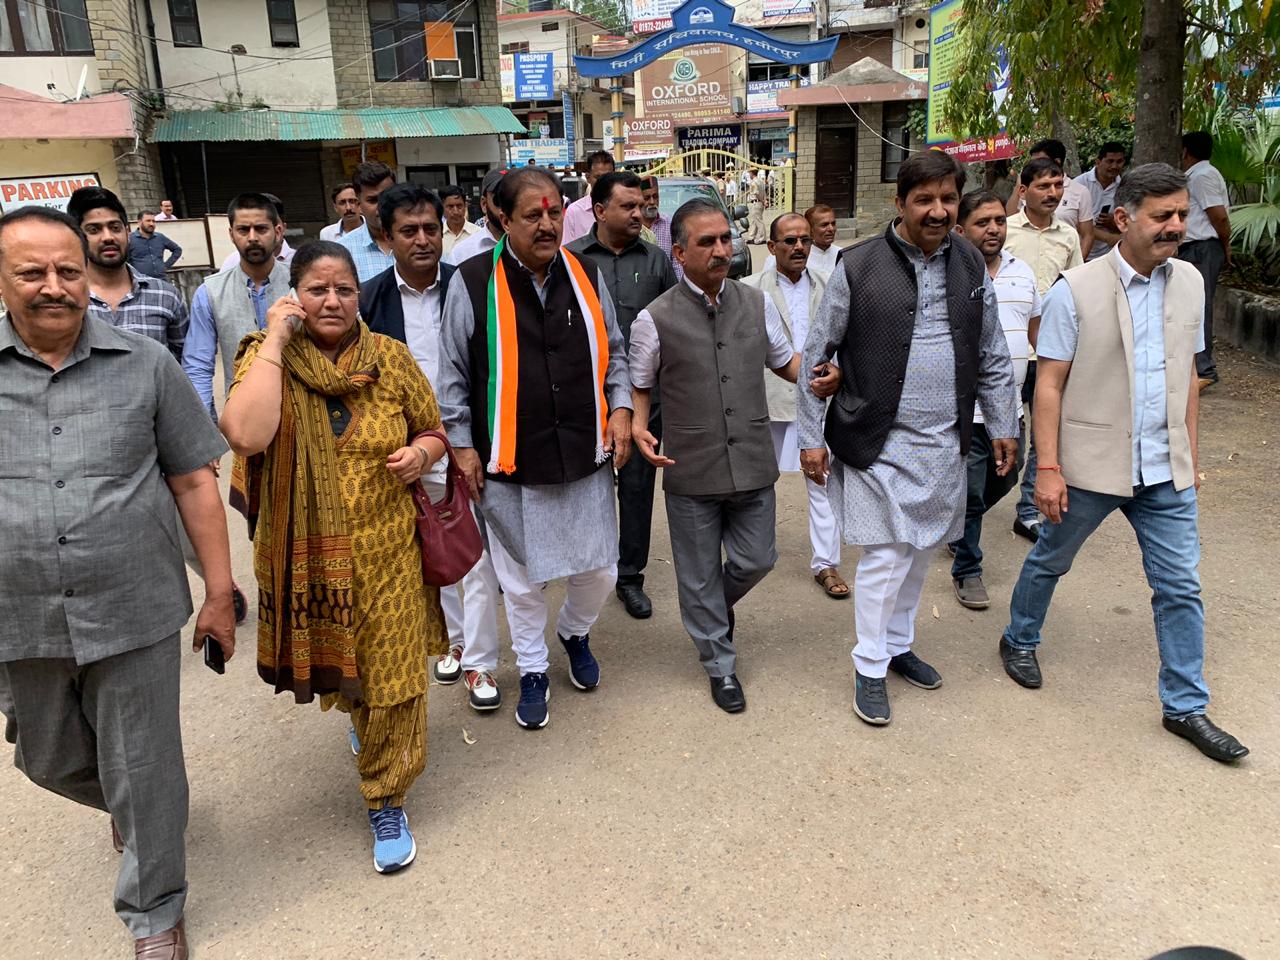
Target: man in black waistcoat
(912,317)
(535,397)
(635,272)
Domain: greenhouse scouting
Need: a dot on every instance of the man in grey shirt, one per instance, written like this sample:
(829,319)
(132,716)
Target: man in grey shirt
(102,436)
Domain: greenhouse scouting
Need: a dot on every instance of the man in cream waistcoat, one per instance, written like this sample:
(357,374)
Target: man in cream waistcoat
(796,291)
(1115,428)
(234,302)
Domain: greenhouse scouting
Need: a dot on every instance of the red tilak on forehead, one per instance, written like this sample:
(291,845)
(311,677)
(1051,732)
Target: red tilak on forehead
(546,204)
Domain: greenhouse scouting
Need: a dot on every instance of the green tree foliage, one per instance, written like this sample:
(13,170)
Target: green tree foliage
(1079,59)
(612,13)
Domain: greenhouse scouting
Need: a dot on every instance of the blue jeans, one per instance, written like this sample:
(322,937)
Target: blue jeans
(1165,521)
(985,490)
(1026,510)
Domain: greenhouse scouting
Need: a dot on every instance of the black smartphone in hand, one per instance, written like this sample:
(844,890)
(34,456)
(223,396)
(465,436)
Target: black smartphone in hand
(214,658)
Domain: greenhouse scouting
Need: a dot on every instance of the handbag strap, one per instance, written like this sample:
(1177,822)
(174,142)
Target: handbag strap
(454,472)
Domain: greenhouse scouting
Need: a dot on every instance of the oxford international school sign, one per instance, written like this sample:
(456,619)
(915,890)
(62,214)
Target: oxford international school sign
(706,22)
(49,191)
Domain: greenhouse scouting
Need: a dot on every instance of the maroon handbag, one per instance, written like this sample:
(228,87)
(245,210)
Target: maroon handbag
(447,530)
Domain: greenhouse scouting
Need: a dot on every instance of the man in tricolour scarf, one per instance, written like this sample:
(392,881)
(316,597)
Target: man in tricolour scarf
(535,397)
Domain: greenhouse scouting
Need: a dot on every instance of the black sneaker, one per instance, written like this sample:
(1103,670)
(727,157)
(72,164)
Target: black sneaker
(871,699)
(584,671)
(535,691)
(914,670)
(1028,531)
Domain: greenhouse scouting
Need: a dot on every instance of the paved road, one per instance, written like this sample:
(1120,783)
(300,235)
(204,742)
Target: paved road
(987,822)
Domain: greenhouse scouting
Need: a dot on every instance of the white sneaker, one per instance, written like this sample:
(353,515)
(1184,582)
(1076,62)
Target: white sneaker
(484,690)
(448,669)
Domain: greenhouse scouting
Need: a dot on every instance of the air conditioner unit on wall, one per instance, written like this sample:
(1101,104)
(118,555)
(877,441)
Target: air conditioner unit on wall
(446,69)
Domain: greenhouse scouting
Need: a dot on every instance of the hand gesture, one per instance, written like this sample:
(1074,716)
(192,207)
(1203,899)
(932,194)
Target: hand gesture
(1051,494)
(468,462)
(284,318)
(1006,452)
(647,444)
(217,619)
(815,465)
(826,380)
(617,437)
(408,463)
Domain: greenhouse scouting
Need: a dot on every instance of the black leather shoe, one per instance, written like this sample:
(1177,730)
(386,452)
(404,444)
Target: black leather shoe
(727,693)
(635,600)
(1028,531)
(1021,665)
(1208,738)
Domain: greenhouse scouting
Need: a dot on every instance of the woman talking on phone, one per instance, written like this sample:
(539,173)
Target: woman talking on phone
(319,415)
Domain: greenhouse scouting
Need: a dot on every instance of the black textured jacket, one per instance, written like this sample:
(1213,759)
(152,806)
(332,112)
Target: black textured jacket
(873,356)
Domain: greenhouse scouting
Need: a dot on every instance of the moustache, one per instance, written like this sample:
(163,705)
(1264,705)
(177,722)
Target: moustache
(52,302)
(544,235)
(1169,238)
(715,263)
(944,224)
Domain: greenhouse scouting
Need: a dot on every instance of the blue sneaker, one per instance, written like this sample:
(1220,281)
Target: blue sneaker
(355,741)
(535,691)
(393,846)
(584,672)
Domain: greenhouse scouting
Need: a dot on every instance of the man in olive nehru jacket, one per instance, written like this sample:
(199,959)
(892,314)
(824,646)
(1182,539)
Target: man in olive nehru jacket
(708,340)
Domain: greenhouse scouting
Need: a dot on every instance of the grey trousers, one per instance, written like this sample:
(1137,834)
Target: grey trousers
(743,524)
(107,735)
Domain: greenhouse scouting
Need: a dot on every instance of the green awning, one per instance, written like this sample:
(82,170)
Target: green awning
(370,123)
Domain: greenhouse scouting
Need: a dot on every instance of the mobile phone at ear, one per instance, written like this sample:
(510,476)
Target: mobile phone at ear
(214,658)
(295,319)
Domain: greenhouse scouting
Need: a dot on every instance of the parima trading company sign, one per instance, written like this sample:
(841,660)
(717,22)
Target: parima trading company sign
(706,21)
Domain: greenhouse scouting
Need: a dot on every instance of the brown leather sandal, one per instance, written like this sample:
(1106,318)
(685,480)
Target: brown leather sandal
(832,583)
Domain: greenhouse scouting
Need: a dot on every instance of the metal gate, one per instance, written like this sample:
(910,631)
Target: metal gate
(723,167)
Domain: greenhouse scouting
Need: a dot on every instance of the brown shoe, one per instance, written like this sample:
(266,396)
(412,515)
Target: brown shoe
(170,945)
(117,841)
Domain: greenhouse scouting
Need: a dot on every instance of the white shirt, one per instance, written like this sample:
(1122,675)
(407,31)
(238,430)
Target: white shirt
(479,242)
(731,189)
(422,313)
(165,216)
(1102,197)
(233,261)
(452,239)
(645,353)
(1207,189)
(334,230)
(1019,299)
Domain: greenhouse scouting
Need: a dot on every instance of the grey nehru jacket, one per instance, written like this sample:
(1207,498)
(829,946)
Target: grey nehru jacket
(710,361)
(91,564)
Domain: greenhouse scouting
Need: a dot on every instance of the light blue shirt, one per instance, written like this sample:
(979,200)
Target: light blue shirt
(369,258)
(1060,333)
(201,346)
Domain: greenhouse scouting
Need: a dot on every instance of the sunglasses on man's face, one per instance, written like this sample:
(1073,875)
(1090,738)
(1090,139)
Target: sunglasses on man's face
(792,241)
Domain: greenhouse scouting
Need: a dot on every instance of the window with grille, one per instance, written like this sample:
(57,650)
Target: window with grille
(39,27)
(519,46)
(184,19)
(897,140)
(283,19)
(399,43)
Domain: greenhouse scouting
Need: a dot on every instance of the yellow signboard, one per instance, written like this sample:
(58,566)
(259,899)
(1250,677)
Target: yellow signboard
(384,150)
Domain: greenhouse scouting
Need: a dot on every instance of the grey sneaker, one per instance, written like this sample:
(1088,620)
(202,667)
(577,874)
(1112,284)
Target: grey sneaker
(870,699)
(971,593)
(915,671)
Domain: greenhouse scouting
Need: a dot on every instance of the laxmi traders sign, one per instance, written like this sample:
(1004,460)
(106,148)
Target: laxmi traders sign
(52,191)
(692,84)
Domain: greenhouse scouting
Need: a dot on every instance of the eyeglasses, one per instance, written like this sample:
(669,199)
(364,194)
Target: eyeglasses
(792,241)
(343,292)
